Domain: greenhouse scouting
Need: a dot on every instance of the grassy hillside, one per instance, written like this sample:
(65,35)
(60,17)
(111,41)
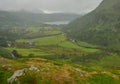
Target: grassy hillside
(99,27)
(54,72)
(5,53)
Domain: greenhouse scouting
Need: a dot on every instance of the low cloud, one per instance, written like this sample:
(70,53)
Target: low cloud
(74,6)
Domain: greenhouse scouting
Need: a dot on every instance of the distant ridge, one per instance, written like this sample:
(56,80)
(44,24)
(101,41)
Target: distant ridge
(22,18)
(101,26)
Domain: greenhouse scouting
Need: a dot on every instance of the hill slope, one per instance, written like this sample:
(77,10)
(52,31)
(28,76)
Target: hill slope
(101,26)
(5,53)
(41,71)
(23,18)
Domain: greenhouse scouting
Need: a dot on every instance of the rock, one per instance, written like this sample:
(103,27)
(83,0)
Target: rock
(3,66)
(13,56)
(16,74)
(9,69)
(21,72)
(33,68)
(2,60)
(79,71)
(45,69)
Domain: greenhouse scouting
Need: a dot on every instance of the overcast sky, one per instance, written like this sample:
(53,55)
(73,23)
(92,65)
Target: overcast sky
(49,6)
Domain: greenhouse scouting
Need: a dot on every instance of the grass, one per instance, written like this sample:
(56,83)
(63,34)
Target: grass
(109,61)
(36,32)
(27,52)
(87,45)
(68,44)
(59,40)
(5,53)
(56,40)
(47,30)
(54,72)
(103,79)
(4,75)
(49,40)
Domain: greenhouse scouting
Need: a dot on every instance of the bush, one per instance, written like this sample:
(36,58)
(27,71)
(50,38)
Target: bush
(31,55)
(15,53)
(5,53)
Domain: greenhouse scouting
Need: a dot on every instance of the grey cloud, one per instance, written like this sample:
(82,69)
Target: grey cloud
(75,6)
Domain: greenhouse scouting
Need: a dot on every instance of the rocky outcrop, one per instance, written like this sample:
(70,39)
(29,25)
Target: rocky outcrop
(21,72)
(16,74)
(33,68)
(80,72)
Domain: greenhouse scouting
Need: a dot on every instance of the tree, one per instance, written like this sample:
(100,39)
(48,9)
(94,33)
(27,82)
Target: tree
(3,42)
(15,53)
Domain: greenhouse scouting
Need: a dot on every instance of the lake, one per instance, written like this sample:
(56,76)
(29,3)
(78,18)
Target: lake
(58,23)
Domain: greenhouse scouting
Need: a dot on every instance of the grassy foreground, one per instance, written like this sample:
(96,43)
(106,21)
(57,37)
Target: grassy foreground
(54,72)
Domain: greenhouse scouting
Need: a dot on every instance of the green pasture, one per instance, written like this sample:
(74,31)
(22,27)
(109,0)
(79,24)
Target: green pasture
(27,52)
(58,40)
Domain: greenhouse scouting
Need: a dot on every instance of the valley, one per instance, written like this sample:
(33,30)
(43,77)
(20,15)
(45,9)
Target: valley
(57,48)
(38,39)
(49,49)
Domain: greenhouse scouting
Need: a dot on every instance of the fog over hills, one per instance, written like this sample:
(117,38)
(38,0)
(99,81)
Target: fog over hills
(50,6)
(59,42)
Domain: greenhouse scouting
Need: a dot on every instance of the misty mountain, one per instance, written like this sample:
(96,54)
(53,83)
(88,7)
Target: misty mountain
(20,18)
(100,27)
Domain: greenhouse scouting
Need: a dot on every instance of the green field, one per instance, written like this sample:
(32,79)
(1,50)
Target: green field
(27,52)
(49,40)
(55,46)
(57,40)
(59,44)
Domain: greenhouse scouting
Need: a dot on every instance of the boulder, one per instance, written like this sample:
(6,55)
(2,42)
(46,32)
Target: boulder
(21,72)
(33,68)
(16,74)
